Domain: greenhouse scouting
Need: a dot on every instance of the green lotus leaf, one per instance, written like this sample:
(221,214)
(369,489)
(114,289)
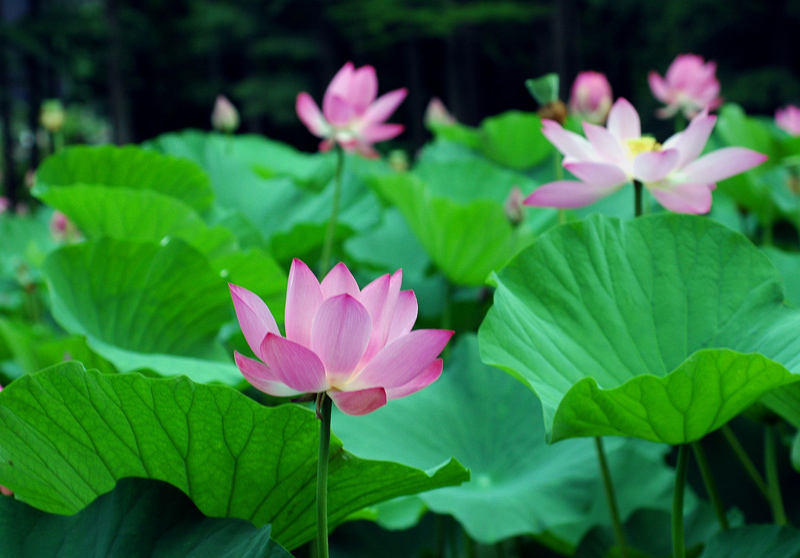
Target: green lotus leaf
(67,436)
(646,328)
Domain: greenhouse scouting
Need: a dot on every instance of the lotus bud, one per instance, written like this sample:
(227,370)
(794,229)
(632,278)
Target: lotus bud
(591,97)
(398,160)
(436,114)
(513,206)
(788,118)
(52,115)
(225,117)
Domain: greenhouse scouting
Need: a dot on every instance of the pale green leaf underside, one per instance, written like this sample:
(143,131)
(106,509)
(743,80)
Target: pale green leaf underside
(626,304)
(68,435)
(144,305)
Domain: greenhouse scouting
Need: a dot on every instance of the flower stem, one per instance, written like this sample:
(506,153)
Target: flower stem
(558,170)
(773,482)
(619,532)
(745,460)
(678,541)
(637,198)
(711,486)
(324,412)
(327,247)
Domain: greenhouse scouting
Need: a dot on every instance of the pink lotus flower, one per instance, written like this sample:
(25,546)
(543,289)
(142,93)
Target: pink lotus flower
(224,117)
(608,158)
(690,86)
(788,118)
(356,345)
(351,115)
(591,97)
(62,229)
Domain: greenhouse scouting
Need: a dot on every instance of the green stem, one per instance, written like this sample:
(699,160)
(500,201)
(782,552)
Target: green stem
(637,198)
(558,170)
(58,141)
(619,532)
(711,486)
(678,541)
(327,247)
(745,460)
(324,412)
(773,482)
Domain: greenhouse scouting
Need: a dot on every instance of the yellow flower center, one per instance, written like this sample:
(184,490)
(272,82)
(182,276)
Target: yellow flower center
(637,146)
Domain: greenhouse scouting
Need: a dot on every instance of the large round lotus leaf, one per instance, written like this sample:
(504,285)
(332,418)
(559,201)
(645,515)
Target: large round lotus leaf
(138,519)
(126,167)
(663,328)
(763,541)
(144,306)
(68,435)
(520,484)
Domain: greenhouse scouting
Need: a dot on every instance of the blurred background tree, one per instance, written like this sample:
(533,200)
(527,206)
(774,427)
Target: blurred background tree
(151,66)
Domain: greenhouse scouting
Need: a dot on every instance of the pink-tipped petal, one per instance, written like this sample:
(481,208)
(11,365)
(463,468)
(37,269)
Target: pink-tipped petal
(403,359)
(254,317)
(339,85)
(294,365)
(303,297)
(311,116)
(359,402)
(721,164)
(261,377)
(338,281)
(573,146)
(693,139)
(384,106)
(623,120)
(380,298)
(405,314)
(365,150)
(653,166)
(567,194)
(338,110)
(363,88)
(605,144)
(381,132)
(658,86)
(326,145)
(685,198)
(600,175)
(339,336)
(422,380)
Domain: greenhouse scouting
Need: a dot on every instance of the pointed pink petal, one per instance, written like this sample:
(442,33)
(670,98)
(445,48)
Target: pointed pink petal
(338,281)
(566,194)
(365,150)
(685,198)
(402,360)
(339,336)
(692,140)
(381,132)
(294,365)
(326,145)
(311,116)
(359,402)
(600,175)
(340,85)
(605,144)
(721,164)
(405,314)
(384,106)
(380,298)
(653,166)
(363,88)
(623,120)
(303,297)
(658,86)
(337,110)
(573,146)
(422,380)
(254,317)
(261,377)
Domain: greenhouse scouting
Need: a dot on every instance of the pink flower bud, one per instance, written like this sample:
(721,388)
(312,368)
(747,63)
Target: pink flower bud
(513,206)
(62,229)
(225,117)
(591,97)
(788,118)
(436,114)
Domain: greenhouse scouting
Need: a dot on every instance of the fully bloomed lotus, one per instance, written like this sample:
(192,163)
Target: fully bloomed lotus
(355,344)
(690,86)
(351,115)
(608,158)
